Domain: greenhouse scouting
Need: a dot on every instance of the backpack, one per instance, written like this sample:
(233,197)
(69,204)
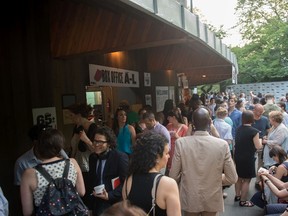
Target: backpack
(60,197)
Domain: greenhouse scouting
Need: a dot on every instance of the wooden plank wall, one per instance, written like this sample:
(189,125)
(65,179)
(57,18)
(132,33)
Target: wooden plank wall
(25,83)
(82,28)
(78,28)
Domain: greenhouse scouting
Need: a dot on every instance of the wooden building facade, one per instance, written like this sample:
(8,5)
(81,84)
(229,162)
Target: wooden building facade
(47,46)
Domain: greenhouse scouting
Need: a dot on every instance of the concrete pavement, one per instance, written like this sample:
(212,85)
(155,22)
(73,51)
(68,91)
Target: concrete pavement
(233,209)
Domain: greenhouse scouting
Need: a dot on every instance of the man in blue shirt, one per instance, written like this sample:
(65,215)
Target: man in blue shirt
(4,206)
(153,125)
(262,124)
(236,117)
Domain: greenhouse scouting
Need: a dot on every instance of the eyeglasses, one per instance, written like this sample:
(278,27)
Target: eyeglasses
(99,142)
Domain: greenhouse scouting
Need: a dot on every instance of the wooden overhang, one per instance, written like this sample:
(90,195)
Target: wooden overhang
(104,26)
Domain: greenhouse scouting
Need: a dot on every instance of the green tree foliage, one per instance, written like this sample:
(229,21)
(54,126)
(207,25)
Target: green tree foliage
(254,14)
(264,24)
(219,32)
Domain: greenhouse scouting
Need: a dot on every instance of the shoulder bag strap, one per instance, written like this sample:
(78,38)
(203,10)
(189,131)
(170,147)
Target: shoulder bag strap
(44,173)
(179,129)
(66,168)
(126,190)
(153,193)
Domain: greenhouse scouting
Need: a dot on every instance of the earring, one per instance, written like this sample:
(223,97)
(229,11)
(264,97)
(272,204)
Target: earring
(157,161)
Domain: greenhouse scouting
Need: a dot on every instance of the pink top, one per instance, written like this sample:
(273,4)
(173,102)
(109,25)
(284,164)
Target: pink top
(181,132)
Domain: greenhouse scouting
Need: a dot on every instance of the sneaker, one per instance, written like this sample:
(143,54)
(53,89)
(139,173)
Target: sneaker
(225,195)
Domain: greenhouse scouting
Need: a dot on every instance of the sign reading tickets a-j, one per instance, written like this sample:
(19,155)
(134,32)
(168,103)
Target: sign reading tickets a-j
(108,76)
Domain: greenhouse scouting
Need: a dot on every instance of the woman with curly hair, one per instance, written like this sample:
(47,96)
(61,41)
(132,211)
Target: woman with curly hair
(150,155)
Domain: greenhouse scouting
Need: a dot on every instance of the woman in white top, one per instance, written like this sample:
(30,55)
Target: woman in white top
(278,135)
(33,184)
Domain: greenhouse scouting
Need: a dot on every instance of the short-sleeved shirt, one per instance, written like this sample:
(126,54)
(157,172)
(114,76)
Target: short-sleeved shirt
(223,128)
(270,107)
(235,116)
(4,208)
(159,128)
(262,125)
(245,151)
(132,117)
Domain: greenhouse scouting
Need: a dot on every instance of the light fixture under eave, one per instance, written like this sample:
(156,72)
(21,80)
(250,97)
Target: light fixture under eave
(203,76)
(116,54)
(116,58)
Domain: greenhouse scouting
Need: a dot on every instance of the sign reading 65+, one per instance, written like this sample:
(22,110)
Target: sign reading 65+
(45,116)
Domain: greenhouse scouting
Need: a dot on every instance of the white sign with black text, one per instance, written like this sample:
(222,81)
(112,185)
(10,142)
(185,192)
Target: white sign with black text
(108,76)
(147,79)
(45,116)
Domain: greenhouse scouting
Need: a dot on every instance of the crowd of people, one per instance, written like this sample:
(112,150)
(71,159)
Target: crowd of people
(174,162)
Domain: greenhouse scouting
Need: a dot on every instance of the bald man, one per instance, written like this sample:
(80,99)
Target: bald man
(201,165)
(262,124)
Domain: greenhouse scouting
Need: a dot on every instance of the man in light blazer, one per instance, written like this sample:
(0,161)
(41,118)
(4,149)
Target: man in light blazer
(201,165)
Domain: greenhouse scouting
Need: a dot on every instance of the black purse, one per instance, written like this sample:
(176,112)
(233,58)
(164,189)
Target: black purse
(82,146)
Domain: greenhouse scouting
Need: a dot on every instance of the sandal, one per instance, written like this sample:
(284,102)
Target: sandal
(246,204)
(237,198)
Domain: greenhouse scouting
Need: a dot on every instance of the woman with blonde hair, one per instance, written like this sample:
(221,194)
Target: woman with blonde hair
(278,135)
(223,128)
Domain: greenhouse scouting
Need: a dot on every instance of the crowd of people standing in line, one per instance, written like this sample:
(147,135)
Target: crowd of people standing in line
(171,151)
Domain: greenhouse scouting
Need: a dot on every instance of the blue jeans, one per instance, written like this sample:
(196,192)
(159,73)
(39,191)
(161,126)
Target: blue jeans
(258,200)
(275,209)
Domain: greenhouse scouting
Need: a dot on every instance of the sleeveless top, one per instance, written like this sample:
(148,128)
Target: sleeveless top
(140,193)
(82,157)
(285,178)
(124,142)
(55,169)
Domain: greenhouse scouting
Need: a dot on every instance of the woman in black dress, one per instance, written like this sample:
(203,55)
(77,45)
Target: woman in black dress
(246,143)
